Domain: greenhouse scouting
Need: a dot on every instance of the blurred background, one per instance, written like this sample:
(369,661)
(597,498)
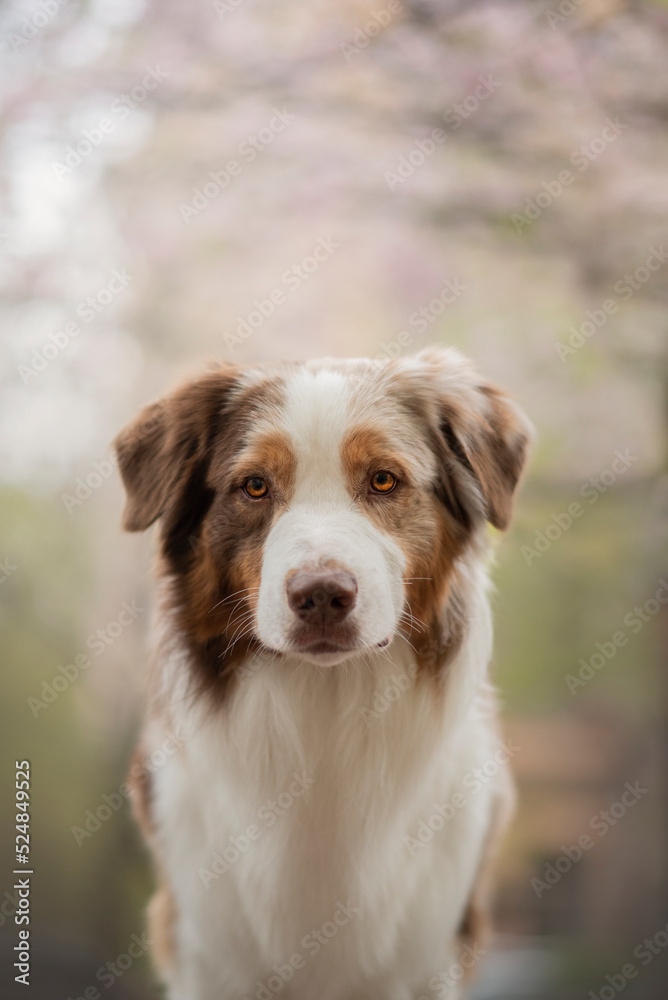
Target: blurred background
(247,180)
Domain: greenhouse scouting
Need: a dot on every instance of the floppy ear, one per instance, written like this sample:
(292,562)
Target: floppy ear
(486,438)
(165,450)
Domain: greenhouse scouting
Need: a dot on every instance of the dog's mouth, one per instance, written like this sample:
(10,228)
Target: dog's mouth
(327,642)
(328,648)
(324,647)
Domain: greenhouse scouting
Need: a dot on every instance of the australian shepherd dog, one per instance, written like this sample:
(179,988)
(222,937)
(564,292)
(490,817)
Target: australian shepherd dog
(319,670)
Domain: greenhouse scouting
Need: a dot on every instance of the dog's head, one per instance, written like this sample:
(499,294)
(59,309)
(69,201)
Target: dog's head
(320,509)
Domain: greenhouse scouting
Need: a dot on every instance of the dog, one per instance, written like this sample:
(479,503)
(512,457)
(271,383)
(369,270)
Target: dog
(321,644)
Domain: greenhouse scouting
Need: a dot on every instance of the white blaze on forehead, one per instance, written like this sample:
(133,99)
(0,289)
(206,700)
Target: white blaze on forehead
(323,522)
(317,417)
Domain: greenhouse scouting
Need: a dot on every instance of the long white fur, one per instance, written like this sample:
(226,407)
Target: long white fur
(370,779)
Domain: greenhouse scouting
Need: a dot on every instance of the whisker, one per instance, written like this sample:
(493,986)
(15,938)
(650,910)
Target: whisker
(244,590)
(412,620)
(239,618)
(240,601)
(406,639)
(245,626)
(245,620)
(233,643)
(413,617)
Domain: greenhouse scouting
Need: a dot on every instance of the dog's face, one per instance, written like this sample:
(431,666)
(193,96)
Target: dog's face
(320,509)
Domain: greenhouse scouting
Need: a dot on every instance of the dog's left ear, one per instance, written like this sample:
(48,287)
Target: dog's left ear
(485,438)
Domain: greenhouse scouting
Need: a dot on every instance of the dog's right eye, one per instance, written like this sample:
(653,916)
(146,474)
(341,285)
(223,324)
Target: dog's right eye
(256,488)
(383,482)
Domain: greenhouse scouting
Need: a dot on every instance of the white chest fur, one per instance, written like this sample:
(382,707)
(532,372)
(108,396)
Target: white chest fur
(311,831)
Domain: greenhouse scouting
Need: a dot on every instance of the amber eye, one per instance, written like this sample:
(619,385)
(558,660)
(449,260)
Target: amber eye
(383,482)
(256,488)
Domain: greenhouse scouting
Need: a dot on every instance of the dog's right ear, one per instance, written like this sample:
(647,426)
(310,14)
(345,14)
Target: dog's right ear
(166,449)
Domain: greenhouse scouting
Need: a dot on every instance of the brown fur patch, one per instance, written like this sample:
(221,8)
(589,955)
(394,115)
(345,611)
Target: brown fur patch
(216,597)
(486,435)
(491,443)
(184,460)
(427,534)
(270,455)
(166,448)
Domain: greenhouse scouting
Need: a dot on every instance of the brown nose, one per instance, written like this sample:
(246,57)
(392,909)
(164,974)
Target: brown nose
(322,598)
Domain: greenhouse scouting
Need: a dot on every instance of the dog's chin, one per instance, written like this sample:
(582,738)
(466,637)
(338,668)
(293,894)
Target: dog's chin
(328,652)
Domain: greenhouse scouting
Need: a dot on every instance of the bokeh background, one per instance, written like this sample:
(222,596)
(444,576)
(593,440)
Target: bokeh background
(134,251)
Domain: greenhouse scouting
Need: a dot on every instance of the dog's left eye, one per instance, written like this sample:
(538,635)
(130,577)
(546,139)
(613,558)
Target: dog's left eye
(256,488)
(383,482)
